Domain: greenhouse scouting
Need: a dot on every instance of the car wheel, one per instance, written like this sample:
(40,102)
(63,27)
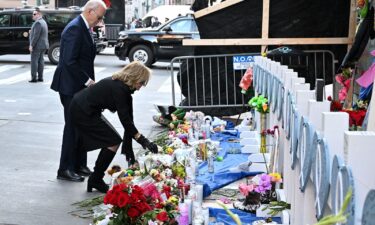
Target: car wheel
(54,53)
(143,54)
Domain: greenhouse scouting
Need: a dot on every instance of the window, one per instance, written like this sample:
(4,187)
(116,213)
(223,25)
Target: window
(25,20)
(4,20)
(59,19)
(182,26)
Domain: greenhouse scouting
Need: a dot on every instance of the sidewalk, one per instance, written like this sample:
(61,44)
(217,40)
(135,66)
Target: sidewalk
(31,125)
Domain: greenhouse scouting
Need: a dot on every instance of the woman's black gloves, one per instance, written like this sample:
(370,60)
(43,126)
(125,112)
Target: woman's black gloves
(147,144)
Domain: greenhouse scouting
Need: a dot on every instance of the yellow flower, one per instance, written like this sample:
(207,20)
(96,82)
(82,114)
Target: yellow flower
(276,177)
(173,199)
(265,107)
(154,172)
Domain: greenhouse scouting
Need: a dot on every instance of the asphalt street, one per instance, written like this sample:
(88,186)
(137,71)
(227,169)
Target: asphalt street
(31,125)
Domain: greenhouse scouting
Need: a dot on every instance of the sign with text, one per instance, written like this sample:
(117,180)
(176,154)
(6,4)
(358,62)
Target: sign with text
(242,62)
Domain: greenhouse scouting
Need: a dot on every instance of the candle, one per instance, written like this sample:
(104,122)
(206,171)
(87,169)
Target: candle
(199,191)
(189,205)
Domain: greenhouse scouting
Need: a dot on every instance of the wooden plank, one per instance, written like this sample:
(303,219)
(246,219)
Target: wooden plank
(265,21)
(352,22)
(215,8)
(267,41)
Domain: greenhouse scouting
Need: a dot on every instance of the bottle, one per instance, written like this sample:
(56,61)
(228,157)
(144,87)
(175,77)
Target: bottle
(208,129)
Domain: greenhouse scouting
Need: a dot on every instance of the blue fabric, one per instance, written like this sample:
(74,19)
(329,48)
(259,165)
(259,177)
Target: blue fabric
(365,93)
(246,218)
(222,176)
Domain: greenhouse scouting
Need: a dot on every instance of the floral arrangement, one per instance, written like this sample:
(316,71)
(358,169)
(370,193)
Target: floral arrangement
(128,202)
(356,115)
(344,79)
(269,131)
(261,190)
(132,204)
(260,104)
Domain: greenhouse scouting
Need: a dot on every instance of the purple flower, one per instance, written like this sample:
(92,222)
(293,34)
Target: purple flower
(264,184)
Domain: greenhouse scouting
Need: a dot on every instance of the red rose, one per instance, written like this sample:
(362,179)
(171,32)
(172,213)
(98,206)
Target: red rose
(162,216)
(133,212)
(122,200)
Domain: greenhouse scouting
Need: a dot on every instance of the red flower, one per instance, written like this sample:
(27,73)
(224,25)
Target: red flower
(133,212)
(122,200)
(162,216)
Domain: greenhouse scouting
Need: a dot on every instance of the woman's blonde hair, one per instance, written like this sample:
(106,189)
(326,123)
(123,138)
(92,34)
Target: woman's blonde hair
(133,73)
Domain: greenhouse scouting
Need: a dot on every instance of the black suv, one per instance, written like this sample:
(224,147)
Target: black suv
(160,44)
(16,23)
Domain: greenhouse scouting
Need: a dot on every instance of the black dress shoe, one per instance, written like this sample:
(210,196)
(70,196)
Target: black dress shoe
(40,80)
(33,81)
(83,171)
(69,176)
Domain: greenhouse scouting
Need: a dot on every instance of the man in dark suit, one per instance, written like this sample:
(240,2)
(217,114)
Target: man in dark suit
(74,72)
(38,45)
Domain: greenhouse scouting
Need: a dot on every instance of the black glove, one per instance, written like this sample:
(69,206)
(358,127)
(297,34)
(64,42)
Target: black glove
(147,144)
(152,147)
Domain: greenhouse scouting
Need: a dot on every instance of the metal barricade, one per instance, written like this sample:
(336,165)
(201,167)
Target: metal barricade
(208,83)
(312,65)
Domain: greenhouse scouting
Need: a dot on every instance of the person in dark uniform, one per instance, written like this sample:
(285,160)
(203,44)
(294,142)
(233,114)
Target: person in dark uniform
(93,129)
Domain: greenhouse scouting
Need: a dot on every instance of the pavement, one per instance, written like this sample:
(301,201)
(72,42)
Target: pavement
(31,125)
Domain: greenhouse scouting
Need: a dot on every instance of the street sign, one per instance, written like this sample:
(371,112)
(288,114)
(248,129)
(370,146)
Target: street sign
(242,62)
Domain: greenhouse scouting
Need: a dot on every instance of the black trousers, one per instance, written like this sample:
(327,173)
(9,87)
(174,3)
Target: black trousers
(72,156)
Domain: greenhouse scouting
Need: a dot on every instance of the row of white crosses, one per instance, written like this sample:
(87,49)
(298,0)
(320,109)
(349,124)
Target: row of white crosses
(319,158)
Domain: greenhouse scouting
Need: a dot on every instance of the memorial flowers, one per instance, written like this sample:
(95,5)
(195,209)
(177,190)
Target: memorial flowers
(260,190)
(260,104)
(133,204)
(129,203)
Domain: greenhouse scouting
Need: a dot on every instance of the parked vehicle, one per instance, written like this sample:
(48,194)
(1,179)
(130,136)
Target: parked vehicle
(166,11)
(161,44)
(15,25)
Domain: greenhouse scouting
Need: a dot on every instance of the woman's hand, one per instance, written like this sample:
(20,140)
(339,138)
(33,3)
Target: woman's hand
(147,144)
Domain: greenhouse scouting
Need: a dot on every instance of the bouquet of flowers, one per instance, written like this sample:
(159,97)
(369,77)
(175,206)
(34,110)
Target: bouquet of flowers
(261,190)
(260,104)
(132,204)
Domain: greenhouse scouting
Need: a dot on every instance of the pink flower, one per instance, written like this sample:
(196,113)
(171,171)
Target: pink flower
(245,189)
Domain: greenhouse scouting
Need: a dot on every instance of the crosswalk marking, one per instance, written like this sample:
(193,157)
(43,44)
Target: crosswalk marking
(21,77)
(9,67)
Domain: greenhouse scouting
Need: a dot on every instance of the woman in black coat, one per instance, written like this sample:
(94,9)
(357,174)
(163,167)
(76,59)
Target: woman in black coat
(94,131)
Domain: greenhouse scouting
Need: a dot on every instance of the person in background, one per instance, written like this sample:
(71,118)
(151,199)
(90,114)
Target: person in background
(139,23)
(38,45)
(133,23)
(75,72)
(115,94)
(156,22)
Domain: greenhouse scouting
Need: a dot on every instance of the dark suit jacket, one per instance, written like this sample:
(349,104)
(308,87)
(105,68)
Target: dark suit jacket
(76,62)
(39,35)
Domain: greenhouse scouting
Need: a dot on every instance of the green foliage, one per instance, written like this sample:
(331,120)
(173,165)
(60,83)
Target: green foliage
(260,104)
(276,207)
(341,217)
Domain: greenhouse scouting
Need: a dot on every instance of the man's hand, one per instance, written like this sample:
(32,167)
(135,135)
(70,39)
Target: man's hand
(30,48)
(90,82)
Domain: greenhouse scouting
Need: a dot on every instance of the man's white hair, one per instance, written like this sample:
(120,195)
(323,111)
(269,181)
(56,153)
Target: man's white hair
(93,4)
